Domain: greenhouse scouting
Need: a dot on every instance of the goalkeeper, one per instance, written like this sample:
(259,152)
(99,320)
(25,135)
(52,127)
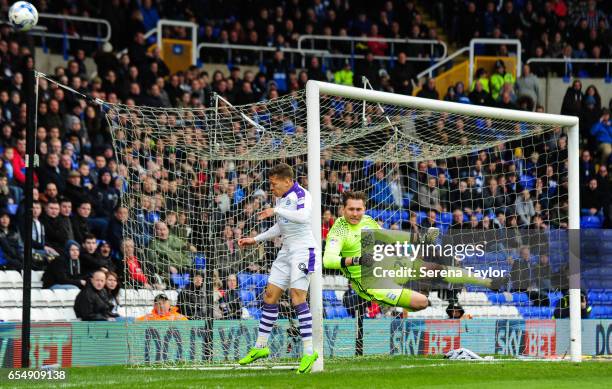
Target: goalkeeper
(343,252)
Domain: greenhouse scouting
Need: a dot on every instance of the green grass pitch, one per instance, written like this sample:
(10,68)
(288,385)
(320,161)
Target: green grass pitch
(355,373)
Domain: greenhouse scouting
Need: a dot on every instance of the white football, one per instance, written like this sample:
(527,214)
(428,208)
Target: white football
(23,16)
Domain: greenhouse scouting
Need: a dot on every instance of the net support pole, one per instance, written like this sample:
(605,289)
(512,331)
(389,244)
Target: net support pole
(314,186)
(31,164)
(573,153)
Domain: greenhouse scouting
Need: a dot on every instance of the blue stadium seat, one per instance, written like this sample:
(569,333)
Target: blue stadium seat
(373,213)
(245,281)
(590,222)
(520,298)
(420,217)
(341,312)
(329,295)
(247,296)
(260,280)
(199,262)
(496,298)
(255,313)
(528,182)
(446,217)
(180,280)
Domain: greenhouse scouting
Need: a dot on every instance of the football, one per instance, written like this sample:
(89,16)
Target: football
(23,16)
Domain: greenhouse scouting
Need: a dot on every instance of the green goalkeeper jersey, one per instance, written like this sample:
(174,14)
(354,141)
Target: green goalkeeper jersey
(344,241)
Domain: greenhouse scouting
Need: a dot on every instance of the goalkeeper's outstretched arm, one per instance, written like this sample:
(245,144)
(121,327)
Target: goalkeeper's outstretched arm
(333,247)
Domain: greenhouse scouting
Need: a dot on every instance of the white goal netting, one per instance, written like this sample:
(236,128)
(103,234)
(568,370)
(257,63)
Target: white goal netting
(196,179)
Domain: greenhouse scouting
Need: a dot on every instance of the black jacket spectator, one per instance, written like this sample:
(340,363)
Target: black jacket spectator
(10,243)
(231,305)
(191,301)
(64,270)
(480,97)
(50,172)
(74,191)
(429,90)
(92,304)
(105,197)
(114,231)
(572,101)
(90,262)
(58,231)
(80,227)
(368,68)
(592,197)
(402,75)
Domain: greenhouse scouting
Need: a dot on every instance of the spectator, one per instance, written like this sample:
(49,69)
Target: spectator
(162,310)
(92,303)
(591,197)
(542,273)
(64,216)
(523,206)
(520,272)
(344,76)
(465,198)
(381,192)
(499,78)
(481,97)
(493,197)
(402,75)
(105,199)
(50,172)
(10,243)
(39,242)
(562,308)
(369,69)
(457,223)
(527,85)
(429,195)
(431,220)
(572,101)
(167,253)
(65,272)
(91,259)
(74,192)
(116,227)
(191,301)
(57,231)
(587,167)
(326,223)
(482,77)
(429,90)
(80,221)
(230,304)
(112,290)
(602,131)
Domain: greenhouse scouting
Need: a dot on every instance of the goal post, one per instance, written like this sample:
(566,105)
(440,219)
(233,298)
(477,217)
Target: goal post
(316,89)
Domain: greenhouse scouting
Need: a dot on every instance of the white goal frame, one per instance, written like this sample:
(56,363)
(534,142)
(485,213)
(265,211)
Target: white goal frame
(314,89)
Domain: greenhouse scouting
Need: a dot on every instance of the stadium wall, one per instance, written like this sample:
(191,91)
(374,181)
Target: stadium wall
(95,343)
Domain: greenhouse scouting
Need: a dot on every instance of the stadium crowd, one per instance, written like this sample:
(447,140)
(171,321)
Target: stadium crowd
(80,220)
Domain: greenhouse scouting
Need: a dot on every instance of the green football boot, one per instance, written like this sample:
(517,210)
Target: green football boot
(307,362)
(255,354)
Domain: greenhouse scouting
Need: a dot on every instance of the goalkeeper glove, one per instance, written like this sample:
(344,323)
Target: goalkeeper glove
(364,260)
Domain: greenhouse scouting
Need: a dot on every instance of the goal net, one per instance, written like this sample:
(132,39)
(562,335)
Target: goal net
(195,180)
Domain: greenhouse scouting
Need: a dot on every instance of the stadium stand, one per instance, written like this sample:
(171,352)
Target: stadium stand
(75,143)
